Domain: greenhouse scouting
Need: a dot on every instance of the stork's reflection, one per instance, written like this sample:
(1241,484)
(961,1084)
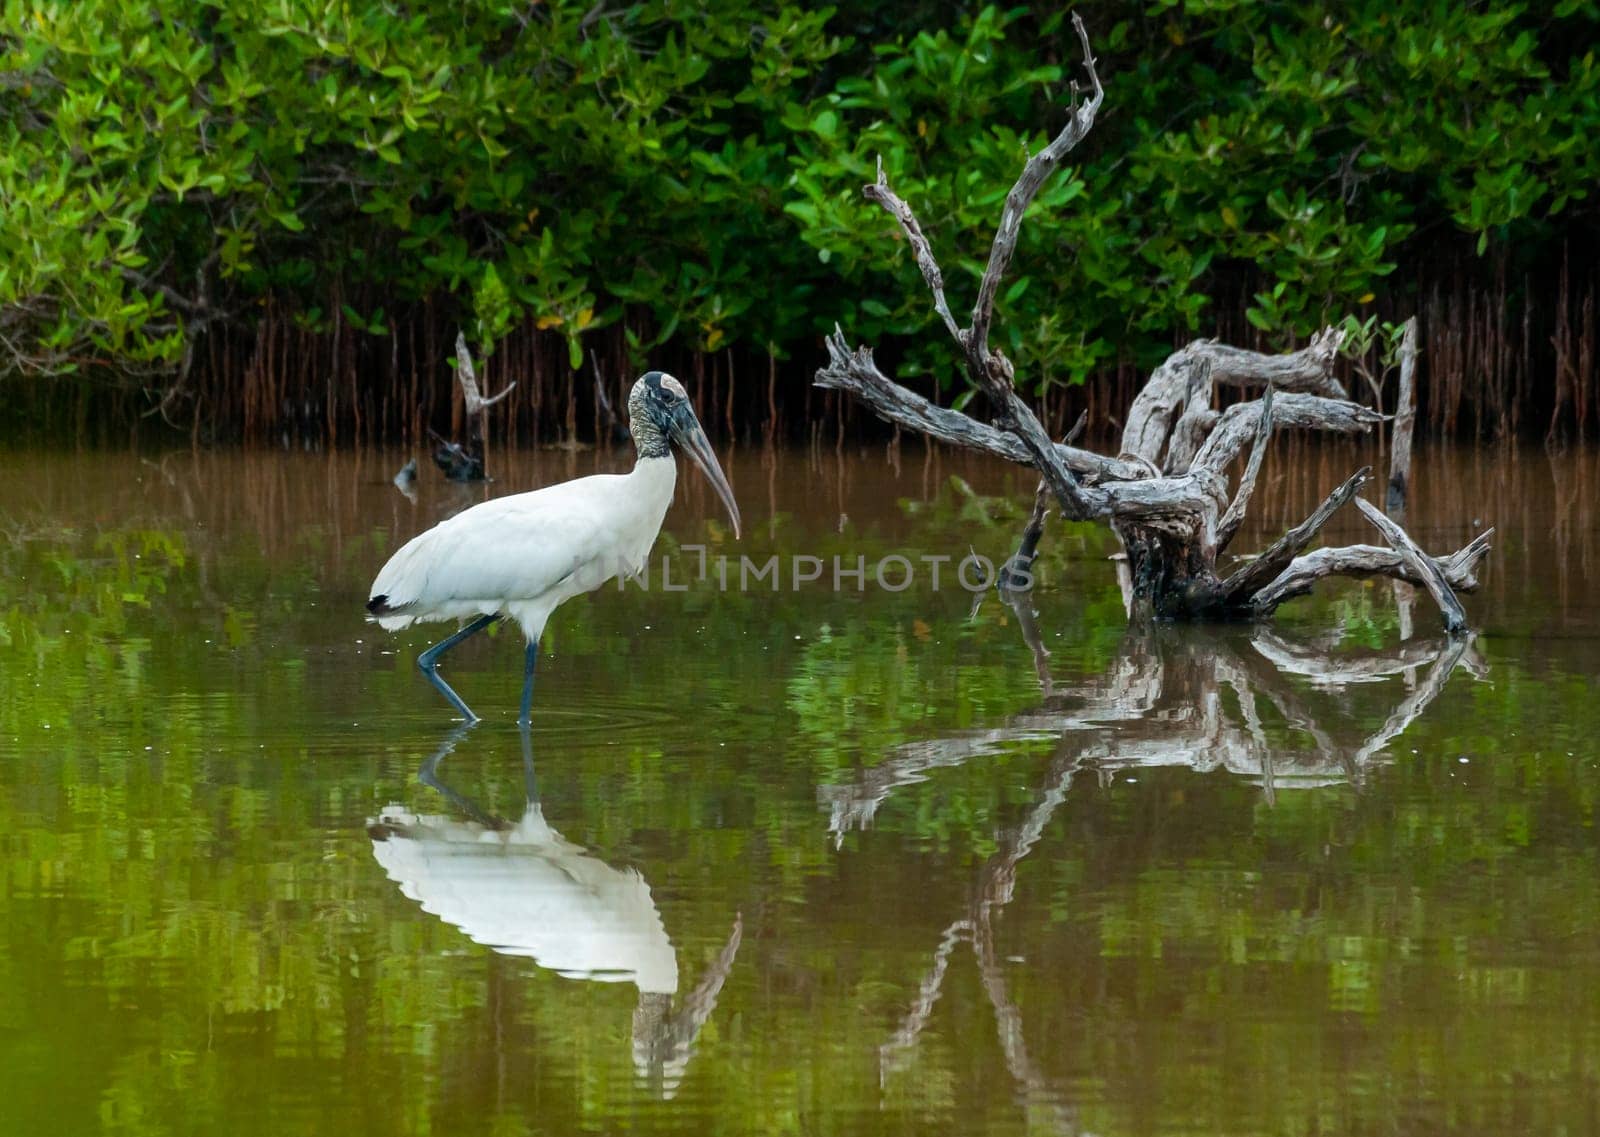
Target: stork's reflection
(522,889)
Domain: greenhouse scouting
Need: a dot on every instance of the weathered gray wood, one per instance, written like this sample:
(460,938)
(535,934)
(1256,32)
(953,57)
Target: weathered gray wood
(1455,616)
(468,378)
(1196,420)
(1257,574)
(1307,371)
(1366,561)
(1016,575)
(1121,490)
(880,192)
(1229,525)
(1237,426)
(1186,505)
(1173,522)
(1150,417)
(1013,414)
(468,463)
(856,373)
(1035,172)
(1405,423)
(990,371)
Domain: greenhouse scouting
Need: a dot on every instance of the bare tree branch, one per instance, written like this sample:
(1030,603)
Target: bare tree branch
(1173,519)
(1231,520)
(1259,572)
(1307,371)
(1034,174)
(1237,426)
(1405,423)
(990,371)
(1016,574)
(1365,561)
(880,192)
(1196,421)
(855,372)
(468,378)
(1455,616)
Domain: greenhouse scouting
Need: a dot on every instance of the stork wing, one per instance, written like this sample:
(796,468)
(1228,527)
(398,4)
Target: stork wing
(516,548)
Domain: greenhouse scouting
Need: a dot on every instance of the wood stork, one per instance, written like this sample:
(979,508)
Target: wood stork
(520,556)
(522,889)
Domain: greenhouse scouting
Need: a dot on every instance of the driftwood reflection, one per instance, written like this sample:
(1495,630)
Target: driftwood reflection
(522,889)
(975,929)
(1161,703)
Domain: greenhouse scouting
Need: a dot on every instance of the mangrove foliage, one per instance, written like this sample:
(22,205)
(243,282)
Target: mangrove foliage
(193,190)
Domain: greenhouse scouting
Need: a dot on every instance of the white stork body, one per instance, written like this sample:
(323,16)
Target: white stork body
(521,556)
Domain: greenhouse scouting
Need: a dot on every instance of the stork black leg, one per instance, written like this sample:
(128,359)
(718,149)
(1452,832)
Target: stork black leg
(529,661)
(428,663)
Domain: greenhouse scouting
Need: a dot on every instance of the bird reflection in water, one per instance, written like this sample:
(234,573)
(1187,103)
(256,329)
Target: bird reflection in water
(522,889)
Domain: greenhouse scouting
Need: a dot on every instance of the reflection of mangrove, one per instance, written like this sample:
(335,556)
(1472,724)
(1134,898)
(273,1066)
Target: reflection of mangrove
(1160,704)
(522,889)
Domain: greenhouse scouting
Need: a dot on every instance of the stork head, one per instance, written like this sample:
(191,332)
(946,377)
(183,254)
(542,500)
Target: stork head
(659,413)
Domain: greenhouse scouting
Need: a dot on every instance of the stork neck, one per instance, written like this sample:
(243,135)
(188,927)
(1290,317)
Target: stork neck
(648,438)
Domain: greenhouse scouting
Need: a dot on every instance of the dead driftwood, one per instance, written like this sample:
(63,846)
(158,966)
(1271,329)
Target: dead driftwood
(1166,494)
(465,463)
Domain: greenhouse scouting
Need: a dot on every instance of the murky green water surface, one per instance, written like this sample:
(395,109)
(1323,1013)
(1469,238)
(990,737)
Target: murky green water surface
(798,861)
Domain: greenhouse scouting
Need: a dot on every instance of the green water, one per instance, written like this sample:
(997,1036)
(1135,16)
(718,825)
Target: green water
(801,861)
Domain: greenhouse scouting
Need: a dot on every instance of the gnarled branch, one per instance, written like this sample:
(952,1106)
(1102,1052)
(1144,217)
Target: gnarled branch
(1307,371)
(1166,492)
(1365,561)
(880,192)
(1237,426)
(1258,573)
(1034,174)
(1405,423)
(1232,519)
(990,371)
(855,372)
(1455,616)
